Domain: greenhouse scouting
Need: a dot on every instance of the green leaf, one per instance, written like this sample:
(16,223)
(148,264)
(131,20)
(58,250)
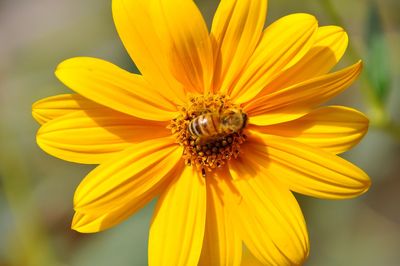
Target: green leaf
(377,63)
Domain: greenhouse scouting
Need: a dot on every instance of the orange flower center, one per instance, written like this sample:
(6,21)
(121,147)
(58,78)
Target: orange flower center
(210,128)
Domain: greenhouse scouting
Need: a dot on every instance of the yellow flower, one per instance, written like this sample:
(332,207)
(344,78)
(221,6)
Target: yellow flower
(221,125)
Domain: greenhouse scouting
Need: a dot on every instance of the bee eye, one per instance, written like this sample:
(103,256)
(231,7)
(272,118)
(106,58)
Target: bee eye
(244,116)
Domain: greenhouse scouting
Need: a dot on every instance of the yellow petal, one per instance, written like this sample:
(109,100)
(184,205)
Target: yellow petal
(137,28)
(242,166)
(302,97)
(248,259)
(330,44)
(92,137)
(307,170)
(185,37)
(335,128)
(101,220)
(276,117)
(127,176)
(267,217)
(236,30)
(108,85)
(221,244)
(177,228)
(282,45)
(53,107)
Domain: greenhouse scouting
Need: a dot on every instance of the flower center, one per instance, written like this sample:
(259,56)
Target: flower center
(210,128)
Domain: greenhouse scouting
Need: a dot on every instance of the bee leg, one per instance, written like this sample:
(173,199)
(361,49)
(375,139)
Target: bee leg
(203,172)
(221,108)
(197,141)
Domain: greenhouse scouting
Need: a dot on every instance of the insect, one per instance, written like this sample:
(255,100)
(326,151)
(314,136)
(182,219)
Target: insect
(209,126)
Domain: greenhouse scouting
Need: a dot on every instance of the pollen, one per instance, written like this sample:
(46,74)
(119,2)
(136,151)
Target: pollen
(210,139)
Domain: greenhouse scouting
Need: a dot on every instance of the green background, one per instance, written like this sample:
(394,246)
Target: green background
(36,189)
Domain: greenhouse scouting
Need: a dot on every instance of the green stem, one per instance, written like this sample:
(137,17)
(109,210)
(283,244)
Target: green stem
(380,118)
(390,127)
(393,129)
(29,244)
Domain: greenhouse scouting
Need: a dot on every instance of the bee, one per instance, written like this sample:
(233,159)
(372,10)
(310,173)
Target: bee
(210,126)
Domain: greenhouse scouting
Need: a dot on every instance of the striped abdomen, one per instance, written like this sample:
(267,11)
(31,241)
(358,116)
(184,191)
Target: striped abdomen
(206,125)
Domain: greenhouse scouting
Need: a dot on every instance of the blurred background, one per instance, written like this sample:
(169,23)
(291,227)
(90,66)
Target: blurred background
(36,190)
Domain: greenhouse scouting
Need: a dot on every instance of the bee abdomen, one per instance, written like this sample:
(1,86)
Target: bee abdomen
(194,128)
(203,126)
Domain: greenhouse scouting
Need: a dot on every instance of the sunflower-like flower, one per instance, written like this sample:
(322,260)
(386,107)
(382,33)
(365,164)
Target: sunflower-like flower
(221,125)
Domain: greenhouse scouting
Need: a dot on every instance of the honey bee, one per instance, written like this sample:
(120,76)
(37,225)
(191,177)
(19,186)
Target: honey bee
(209,126)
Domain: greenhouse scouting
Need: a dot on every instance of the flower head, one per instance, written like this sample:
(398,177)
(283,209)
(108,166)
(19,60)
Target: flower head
(221,125)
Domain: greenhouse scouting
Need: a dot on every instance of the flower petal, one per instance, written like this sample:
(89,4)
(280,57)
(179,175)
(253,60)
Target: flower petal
(335,128)
(177,229)
(93,136)
(108,85)
(330,44)
(307,170)
(137,28)
(185,37)
(221,245)
(302,97)
(280,116)
(127,176)
(267,217)
(283,44)
(236,31)
(56,106)
(101,220)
